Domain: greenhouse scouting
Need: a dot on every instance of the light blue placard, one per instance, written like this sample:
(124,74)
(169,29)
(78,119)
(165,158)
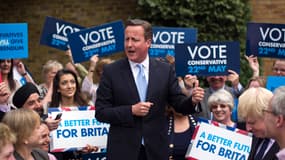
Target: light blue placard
(274,82)
(103,40)
(164,39)
(13,40)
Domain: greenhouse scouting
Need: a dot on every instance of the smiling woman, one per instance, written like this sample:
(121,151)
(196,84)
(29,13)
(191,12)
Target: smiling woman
(65,95)
(26,123)
(221,104)
(8,85)
(66,90)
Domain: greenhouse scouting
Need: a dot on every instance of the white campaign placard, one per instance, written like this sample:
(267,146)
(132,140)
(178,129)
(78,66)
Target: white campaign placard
(219,144)
(77,129)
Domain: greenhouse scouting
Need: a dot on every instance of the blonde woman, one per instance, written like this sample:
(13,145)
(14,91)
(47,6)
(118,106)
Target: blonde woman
(7,141)
(25,123)
(96,66)
(49,70)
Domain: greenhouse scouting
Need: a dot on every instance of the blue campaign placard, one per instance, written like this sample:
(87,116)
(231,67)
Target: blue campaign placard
(13,40)
(165,38)
(274,82)
(102,40)
(207,58)
(55,31)
(265,40)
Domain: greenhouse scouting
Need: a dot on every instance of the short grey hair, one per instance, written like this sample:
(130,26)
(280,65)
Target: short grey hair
(221,96)
(278,101)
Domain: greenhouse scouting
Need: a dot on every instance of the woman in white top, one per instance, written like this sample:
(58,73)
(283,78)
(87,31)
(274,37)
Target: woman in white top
(88,86)
(7,84)
(49,70)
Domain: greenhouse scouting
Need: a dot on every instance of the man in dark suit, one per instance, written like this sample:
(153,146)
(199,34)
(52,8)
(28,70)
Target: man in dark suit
(275,120)
(251,105)
(137,129)
(216,83)
(256,144)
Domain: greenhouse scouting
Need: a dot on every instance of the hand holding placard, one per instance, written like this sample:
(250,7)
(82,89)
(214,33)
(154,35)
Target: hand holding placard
(207,59)
(233,77)
(198,93)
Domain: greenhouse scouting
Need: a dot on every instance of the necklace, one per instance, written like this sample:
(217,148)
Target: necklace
(170,132)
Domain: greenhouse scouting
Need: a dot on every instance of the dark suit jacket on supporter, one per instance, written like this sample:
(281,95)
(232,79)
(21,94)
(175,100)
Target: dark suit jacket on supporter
(241,125)
(2,114)
(116,94)
(270,155)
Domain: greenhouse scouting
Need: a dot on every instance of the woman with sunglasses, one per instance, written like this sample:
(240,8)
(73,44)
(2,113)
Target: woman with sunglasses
(221,104)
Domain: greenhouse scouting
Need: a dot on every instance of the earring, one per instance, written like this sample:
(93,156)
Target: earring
(26,142)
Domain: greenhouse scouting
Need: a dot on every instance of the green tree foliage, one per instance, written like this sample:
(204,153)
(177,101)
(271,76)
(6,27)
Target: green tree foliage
(216,20)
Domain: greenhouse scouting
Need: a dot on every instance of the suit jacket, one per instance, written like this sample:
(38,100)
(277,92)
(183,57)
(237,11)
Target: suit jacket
(2,114)
(270,155)
(116,94)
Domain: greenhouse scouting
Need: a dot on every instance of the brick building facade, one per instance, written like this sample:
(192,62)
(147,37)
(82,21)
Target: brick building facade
(268,11)
(82,12)
(94,12)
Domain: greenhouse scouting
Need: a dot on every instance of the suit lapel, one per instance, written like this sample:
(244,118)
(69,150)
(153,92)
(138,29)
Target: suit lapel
(152,76)
(254,146)
(128,80)
(271,153)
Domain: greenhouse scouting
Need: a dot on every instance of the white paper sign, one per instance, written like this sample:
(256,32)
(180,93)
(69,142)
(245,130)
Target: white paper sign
(213,142)
(77,129)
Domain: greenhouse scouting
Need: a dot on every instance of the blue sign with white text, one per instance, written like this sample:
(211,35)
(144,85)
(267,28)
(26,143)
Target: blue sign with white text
(164,39)
(55,33)
(265,40)
(207,59)
(102,40)
(13,40)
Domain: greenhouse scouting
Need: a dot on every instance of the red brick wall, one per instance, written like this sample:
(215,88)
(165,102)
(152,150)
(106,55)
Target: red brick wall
(93,12)
(83,12)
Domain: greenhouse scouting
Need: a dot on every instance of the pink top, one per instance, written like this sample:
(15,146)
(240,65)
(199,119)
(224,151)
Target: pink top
(51,157)
(281,154)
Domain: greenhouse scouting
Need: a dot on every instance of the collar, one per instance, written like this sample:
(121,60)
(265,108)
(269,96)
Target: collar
(212,90)
(145,63)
